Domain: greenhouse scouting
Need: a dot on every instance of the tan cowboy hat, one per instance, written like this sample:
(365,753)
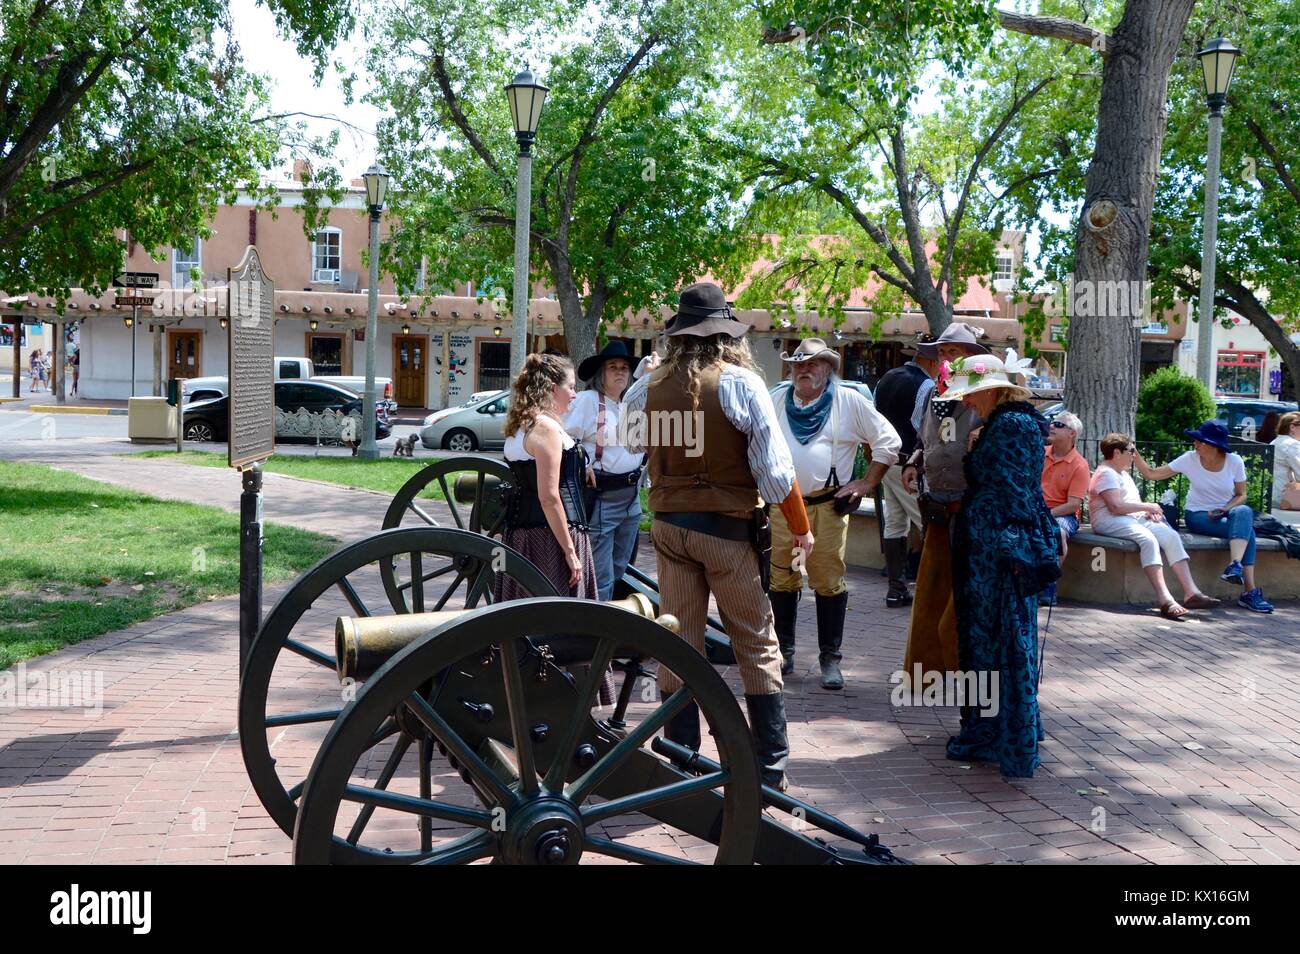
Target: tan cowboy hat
(985,372)
(811,348)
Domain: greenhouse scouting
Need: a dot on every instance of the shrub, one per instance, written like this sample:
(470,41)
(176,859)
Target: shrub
(1170,402)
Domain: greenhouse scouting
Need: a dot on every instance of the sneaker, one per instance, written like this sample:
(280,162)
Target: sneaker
(1232,574)
(1254,600)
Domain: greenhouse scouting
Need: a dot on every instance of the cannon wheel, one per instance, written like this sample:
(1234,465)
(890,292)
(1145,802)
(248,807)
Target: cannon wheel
(464,516)
(538,809)
(281,642)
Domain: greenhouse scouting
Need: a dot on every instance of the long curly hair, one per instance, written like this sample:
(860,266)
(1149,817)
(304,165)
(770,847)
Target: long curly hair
(530,394)
(690,355)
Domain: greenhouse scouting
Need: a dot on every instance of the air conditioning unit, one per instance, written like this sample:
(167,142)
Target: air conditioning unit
(325,275)
(1003,285)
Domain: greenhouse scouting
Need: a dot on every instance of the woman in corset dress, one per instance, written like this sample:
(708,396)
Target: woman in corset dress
(545,520)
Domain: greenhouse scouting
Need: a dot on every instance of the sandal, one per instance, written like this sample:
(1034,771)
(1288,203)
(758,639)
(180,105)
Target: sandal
(1171,609)
(1201,601)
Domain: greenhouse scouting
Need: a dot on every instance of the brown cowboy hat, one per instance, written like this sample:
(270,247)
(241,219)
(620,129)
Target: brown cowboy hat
(958,333)
(702,311)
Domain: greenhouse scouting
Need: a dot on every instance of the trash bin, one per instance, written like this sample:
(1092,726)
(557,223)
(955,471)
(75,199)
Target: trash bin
(150,419)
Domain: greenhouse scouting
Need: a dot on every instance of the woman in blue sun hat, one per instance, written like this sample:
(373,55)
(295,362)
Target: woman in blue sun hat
(1216,504)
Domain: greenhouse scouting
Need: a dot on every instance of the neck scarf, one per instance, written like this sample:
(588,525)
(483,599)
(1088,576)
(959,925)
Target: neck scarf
(806,422)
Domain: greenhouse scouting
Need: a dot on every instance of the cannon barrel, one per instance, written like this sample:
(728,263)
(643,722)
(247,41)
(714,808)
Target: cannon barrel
(465,487)
(364,643)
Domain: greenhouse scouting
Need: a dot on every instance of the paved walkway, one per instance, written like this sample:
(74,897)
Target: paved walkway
(1167,743)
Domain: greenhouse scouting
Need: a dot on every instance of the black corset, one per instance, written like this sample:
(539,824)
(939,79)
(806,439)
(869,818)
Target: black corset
(525,508)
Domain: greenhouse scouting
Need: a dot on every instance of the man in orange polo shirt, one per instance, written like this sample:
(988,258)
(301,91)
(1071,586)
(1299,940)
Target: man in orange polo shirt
(1065,482)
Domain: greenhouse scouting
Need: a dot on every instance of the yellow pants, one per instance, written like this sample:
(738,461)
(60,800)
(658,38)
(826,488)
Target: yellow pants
(825,565)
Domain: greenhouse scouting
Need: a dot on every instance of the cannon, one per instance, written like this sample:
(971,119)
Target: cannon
(450,728)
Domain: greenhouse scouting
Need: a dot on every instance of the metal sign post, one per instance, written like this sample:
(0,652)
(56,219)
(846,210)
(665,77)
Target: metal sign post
(134,280)
(251,425)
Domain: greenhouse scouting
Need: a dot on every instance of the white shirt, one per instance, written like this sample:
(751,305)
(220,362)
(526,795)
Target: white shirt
(748,407)
(1286,465)
(514,449)
(1207,490)
(853,420)
(1108,478)
(580,422)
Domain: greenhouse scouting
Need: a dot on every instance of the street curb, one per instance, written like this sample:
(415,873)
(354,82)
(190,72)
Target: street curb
(63,409)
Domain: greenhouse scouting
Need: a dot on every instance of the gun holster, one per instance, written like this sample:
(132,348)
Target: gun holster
(761,539)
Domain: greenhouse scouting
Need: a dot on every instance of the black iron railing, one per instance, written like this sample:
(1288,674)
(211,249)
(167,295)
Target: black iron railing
(1257,457)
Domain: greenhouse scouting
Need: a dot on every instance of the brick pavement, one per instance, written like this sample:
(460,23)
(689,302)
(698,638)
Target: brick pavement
(1167,743)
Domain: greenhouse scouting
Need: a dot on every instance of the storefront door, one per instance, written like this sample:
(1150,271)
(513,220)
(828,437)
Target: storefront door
(184,353)
(410,367)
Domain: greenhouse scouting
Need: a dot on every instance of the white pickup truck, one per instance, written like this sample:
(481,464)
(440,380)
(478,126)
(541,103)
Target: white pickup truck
(287,369)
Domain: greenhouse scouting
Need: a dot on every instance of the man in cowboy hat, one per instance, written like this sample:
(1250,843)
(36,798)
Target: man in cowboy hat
(824,421)
(936,466)
(708,522)
(900,395)
(613,473)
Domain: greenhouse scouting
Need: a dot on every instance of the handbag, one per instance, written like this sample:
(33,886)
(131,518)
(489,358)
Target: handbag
(1291,496)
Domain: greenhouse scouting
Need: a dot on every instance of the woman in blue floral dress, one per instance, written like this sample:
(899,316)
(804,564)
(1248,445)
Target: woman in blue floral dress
(1005,551)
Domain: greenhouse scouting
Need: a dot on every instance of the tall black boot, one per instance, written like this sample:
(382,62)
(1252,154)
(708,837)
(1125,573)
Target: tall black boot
(830,634)
(784,608)
(767,726)
(896,568)
(684,728)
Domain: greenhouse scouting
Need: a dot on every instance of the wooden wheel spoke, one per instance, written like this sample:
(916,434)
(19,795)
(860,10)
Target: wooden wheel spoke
(455,584)
(640,801)
(520,729)
(381,783)
(641,856)
(467,757)
(555,776)
(354,599)
(302,718)
(467,848)
(307,652)
(417,582)
(421,513)
(451,502)
(674,704)
(424,807)
(433,575)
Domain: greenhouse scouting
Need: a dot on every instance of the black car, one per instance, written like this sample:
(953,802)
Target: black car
(1243,416)
(207,420)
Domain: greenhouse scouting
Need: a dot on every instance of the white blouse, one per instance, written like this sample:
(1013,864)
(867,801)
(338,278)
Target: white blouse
(1286,465)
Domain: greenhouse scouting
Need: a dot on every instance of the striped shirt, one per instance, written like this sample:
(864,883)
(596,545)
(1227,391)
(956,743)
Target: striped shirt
(748,407)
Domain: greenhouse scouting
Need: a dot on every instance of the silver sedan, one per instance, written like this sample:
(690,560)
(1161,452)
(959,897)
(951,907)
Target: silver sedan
(478,424)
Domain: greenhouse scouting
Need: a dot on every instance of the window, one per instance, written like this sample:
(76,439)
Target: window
(184,262)
(1239,373)
(327,255)
(1004,271)
(326,353)
(493,365)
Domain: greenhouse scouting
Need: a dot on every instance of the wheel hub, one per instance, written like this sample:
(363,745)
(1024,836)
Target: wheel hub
(544,831)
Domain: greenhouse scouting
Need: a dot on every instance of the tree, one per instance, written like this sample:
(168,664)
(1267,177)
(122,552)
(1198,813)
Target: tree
(1111,239)
(629,200)
(1258,248)
(128,117)
(906,194)
(1170,403)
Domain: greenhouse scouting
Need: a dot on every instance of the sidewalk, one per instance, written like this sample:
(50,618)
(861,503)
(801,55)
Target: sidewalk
(1168,743)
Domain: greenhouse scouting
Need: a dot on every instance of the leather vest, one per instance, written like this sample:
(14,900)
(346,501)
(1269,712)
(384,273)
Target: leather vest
(718,480)
(525,508)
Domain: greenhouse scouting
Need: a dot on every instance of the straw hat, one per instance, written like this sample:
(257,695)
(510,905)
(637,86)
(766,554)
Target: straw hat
(985,372)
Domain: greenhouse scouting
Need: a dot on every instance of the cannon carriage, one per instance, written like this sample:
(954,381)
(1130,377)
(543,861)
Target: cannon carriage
(392,713)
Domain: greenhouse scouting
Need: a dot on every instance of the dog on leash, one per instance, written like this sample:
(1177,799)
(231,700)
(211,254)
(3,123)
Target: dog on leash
(405,446)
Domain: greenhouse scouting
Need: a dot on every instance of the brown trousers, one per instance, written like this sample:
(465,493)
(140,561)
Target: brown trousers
(932,639)
(691,566)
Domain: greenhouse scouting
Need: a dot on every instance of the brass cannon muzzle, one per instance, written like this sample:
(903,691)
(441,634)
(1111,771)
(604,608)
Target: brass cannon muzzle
(364,643)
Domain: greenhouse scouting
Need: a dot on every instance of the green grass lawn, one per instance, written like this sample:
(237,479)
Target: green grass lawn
(79,558)
(385,475)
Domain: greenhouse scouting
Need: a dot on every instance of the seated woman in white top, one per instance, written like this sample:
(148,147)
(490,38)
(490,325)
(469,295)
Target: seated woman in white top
(1286,455)
(1216,504)
(1116,510)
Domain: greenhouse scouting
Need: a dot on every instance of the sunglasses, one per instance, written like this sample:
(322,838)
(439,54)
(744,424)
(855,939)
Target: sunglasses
(1057,424)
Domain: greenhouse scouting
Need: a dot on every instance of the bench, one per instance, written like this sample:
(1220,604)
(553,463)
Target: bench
(1102,569)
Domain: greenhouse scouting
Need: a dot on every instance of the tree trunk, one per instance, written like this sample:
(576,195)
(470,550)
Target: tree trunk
(579,327)
(1112,241)
(938,313)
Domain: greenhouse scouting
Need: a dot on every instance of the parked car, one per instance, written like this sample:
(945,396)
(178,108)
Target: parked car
(477,424)
(208,420)
(290,369)
(1240,416)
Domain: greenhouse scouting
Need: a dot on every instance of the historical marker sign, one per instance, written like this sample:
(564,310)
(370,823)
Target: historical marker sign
(252,381)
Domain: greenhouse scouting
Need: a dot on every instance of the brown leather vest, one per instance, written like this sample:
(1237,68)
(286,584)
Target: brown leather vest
(718,479)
